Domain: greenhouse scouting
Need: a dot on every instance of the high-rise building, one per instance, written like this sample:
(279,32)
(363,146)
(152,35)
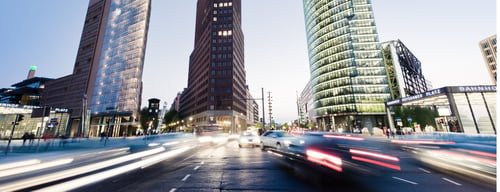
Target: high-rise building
(348,78)
(216,92)
(106,83)
(489,50)
(404,70)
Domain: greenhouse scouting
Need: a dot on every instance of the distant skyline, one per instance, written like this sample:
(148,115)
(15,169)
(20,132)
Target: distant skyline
(444,36)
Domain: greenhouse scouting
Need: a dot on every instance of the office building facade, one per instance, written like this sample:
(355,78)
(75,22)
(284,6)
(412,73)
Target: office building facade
(106,84)
(216,92)
(348,78)
(488,48)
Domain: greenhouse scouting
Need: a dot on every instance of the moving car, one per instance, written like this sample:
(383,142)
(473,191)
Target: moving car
(276,139)
(248,138)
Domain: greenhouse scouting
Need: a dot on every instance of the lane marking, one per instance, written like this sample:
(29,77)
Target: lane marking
(405,180)
(202,162)
(449,180)
(426,171)
(172,190)
(197,167)
(186,177)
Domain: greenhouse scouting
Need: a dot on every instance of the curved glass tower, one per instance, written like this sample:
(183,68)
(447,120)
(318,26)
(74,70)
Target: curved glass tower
(118,81)
(348,77)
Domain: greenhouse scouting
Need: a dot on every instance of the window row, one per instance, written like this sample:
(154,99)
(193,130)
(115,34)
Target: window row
(222,48)
(223,4)
(223,11)
(221,64)
(221,72)
(222,56)
(228,18)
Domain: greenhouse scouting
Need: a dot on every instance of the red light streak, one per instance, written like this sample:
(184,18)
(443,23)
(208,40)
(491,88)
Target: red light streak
(377,163)
(371,154)
(482,153)
(325,159)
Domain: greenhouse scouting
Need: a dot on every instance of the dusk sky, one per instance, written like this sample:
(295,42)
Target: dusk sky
(443,34)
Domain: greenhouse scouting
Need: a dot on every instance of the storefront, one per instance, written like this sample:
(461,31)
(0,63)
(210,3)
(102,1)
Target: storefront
(465,109)
(53,122)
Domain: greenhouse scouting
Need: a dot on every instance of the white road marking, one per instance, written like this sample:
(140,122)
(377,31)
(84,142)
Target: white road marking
(426,171)
(186,177)
(449,180)
(405,180)
(197,167)
(172,190)
(203,162)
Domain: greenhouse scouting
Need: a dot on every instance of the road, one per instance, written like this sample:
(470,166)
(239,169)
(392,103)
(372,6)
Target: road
(193,166)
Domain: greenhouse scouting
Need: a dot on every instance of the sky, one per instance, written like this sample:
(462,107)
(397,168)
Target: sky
(444,35)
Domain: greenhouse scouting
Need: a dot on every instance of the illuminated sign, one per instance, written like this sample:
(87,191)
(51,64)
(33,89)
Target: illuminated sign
(479,88)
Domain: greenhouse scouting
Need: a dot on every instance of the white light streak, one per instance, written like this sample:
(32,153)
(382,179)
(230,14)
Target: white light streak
(35,167)
(33,181)
(19,164)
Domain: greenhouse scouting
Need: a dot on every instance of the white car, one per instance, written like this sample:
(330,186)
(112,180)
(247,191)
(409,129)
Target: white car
(248,138)
(276,139)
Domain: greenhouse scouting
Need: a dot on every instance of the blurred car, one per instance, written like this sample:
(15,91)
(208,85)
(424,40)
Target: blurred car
(278,139)
(248,138)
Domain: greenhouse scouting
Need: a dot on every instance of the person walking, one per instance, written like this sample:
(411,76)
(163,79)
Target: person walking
(25,137)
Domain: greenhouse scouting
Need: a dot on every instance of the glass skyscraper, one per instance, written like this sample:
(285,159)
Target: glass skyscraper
(105,87)
(348,77)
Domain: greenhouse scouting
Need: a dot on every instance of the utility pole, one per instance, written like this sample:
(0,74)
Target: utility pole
(263,112)
(269,100)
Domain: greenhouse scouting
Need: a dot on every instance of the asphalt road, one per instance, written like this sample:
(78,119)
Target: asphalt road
(226,167)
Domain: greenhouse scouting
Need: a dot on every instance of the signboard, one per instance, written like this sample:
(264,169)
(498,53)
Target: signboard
(40,112)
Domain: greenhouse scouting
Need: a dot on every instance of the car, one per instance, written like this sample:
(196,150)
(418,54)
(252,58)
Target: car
(248,138)
(276,139)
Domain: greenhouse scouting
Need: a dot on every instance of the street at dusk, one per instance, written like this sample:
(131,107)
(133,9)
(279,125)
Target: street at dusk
(232,95)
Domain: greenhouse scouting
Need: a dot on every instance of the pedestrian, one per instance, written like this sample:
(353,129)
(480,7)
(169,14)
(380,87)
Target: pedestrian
(31,137)
(102,135)
(25,137)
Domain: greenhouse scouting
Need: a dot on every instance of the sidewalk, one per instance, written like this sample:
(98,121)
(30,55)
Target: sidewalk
(58,148)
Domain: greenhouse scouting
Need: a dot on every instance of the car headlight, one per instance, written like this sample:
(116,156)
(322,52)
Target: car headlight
(287,142)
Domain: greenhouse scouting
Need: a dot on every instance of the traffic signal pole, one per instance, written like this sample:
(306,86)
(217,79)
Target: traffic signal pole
(12,133)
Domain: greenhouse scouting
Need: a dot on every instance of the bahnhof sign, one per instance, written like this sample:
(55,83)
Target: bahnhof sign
(466,109)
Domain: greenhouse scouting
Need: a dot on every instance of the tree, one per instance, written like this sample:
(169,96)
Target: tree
(171,117)
(421,115)
(144,118)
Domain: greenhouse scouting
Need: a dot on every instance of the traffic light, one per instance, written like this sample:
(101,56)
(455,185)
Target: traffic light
(20,117)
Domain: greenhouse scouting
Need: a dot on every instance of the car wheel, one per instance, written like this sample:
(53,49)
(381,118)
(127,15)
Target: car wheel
(278,145)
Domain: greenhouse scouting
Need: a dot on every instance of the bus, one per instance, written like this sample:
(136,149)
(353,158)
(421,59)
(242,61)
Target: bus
(210,133)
